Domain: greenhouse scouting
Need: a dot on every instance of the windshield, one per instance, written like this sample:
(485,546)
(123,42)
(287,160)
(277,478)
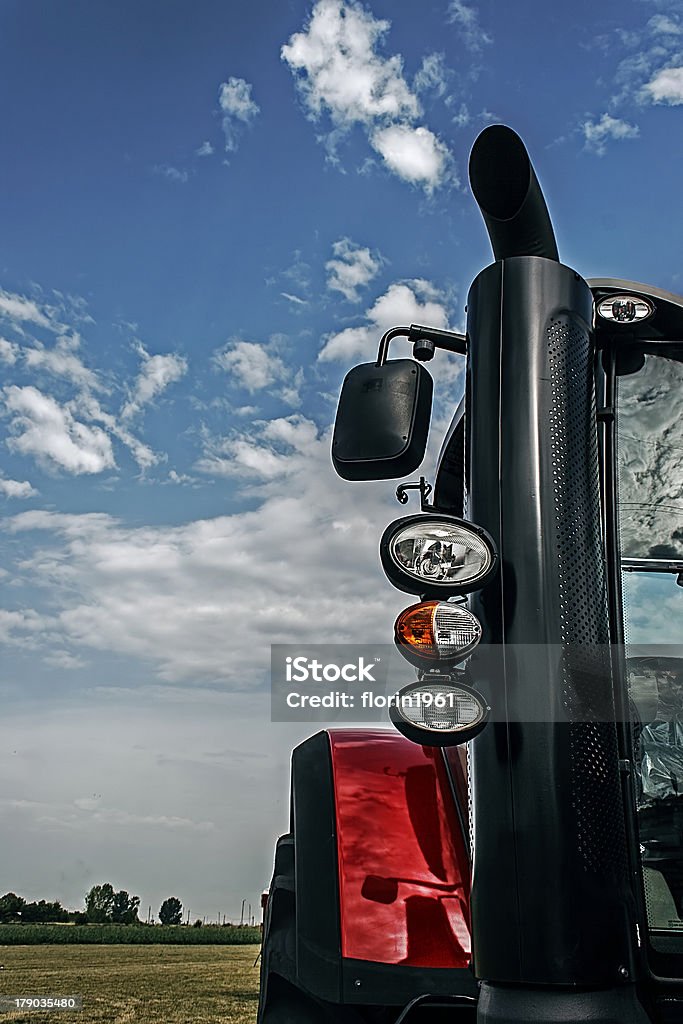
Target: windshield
(650,445)
(650,461)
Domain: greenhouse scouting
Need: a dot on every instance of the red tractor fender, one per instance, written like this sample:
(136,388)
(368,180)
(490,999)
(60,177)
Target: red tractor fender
(369,902)
(402,857)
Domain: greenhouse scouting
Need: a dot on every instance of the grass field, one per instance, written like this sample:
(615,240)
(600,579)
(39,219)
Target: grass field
(210,934)
(134,984)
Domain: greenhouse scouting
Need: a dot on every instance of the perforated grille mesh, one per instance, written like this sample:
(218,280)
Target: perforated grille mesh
(587,692)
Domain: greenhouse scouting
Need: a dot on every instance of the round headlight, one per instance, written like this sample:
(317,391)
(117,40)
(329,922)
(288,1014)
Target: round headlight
(436,631)
(433,554)
(439,712)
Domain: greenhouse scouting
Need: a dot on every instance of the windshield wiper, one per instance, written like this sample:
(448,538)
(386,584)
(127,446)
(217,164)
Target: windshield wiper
(674,565)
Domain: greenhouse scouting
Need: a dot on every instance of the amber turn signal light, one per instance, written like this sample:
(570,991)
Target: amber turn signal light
(436,632)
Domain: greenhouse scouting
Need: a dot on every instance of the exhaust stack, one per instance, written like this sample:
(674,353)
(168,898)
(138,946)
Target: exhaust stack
(509,196)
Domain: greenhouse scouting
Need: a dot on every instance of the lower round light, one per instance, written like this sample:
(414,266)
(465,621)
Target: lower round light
(439,713)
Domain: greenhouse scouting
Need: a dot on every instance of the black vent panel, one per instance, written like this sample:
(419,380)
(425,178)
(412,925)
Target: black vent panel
(587,694)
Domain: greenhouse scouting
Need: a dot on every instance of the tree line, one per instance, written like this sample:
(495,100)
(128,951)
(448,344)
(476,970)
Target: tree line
(103,905)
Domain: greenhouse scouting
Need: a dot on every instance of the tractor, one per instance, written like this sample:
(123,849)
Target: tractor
(513,850)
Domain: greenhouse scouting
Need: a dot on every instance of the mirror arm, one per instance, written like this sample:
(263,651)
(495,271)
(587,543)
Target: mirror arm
(423,487)
(449,341)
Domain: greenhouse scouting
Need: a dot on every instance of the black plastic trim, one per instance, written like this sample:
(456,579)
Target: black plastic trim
(318,947)
(397,984)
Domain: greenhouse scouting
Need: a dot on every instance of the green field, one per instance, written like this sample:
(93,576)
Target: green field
(138,984)
(58,934)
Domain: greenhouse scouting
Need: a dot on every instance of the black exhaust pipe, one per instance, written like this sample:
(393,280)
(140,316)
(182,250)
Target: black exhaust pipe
(509,196)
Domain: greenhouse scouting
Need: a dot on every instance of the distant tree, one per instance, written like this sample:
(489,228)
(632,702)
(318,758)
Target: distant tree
(80,917)
(11,907)
(171,911)
(197,923)
(124,908)
(44,912)
(99,902)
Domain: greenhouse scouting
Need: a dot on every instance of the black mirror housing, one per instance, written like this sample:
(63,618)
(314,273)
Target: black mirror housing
(382,420)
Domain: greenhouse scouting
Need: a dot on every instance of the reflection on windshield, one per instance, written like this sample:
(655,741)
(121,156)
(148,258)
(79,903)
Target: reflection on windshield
(650,440)
(653,610)
(650,454)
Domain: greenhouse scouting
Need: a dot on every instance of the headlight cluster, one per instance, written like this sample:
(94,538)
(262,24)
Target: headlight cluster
(438,557)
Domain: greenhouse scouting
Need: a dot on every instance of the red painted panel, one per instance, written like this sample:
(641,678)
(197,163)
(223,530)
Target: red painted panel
(403,866)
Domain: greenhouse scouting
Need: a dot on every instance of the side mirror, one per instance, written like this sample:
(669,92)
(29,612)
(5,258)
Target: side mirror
(382,420)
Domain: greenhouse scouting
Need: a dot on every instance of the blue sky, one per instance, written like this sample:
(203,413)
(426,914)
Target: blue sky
(209,212)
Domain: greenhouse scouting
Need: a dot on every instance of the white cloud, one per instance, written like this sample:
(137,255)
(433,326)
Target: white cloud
(156,374)
(204,600)
(252,365)
(463,116)
(142,453)
(351,268)
(662,24)
(665,87)
(403,303)
(255,367)
(466,18)
(17,307)
(647,73)
(298,272)
(62,361)
(238,109)
(9,352)
(206,149)
(51,433)
(171,173)
(597,133)
(294,299)
(22,628)
(414,154)
(16,488)
(118,817)
(179,478)
(338,70)
(291,392)
(240,457)
(64,659)
(74,433)
(432,75)
(279,450)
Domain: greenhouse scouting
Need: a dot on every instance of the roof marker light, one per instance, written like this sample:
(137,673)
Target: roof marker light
(625,309)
